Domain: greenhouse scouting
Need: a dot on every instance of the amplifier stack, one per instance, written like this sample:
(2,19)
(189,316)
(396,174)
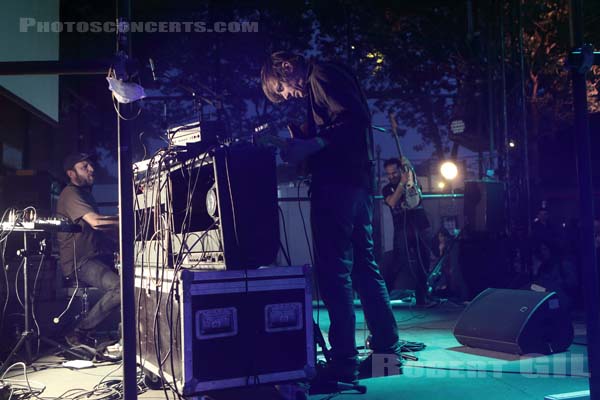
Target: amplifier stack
(208,317)
(222,329)
(217,210)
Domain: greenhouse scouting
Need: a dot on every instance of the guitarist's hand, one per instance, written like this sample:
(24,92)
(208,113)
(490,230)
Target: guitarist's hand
(298,132)
(404,177)
(296,150)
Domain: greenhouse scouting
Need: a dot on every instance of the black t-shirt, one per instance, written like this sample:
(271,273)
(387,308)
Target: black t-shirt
(339,113)
(73,203)
(415,218)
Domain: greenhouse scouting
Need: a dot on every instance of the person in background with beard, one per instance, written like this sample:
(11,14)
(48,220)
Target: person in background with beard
(403,196)
(87,256)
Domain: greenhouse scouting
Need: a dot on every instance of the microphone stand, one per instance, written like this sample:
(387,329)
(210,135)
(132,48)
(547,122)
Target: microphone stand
(26,335)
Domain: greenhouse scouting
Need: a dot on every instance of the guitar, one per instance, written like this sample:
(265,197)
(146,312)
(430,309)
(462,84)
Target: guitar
(394,128)
(263,136)
(410,188)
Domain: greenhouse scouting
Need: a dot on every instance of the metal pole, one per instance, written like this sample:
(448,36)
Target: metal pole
(524,132)
(491,56)
(126,225)
(586,204)
(505,151)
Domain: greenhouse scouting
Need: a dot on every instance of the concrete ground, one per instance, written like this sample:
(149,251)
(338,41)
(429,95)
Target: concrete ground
(444,369)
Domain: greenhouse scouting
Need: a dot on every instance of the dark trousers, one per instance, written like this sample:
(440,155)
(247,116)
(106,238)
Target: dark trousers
(410,252)
(98,274)
(342,236)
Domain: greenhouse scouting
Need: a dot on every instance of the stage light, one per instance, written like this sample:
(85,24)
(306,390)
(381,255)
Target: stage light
(457,126)
(441,185)
(449,170)
(512,144)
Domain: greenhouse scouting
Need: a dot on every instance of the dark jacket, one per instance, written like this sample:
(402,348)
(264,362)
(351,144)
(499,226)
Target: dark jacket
(338,112)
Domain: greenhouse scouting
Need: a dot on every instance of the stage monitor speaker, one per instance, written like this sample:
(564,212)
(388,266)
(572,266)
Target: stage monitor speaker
(515,321)
(484,206)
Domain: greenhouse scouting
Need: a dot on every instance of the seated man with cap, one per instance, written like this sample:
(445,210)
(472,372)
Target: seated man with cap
(87,256)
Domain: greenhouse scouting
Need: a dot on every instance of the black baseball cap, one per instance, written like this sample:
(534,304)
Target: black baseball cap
(74,158)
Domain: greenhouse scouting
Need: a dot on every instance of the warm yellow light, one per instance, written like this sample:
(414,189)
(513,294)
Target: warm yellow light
(377,55)
(441,185)
(449,170)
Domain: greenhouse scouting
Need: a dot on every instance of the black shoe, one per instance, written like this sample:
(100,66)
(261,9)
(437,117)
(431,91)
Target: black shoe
(331,373)
(386,365)
(331,380)
(81,338)
(111,353)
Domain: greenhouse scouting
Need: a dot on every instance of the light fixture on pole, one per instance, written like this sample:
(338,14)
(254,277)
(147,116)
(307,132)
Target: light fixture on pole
(449,170)
(457,126)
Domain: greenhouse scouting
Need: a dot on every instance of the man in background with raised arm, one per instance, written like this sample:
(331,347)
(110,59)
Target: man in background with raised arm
(403,196)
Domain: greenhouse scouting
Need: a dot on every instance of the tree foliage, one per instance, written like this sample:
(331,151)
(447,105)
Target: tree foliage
(429,62)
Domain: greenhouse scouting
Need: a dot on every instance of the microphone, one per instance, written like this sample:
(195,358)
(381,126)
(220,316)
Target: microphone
(152,70)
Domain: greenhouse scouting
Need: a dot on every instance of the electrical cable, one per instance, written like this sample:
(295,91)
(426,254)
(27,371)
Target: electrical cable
(33,393)
(155,330)
(17,283)
(160,269)
(143,145)
(169,317)
(285,255)
(308,242)
(192,175)
(56,320)
(287,244)
(144,219)
(7,284)
(4,269)
(33,296)
(178,264)
(235,229)
(5,273)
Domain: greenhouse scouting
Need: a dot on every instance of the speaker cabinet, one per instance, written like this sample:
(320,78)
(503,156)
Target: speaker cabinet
(211,330)
(515,321)
(246,192)
(484,206)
